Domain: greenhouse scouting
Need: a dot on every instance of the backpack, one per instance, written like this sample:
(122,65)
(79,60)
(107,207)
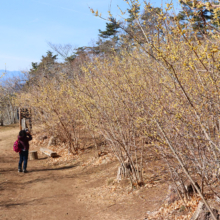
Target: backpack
(17,146)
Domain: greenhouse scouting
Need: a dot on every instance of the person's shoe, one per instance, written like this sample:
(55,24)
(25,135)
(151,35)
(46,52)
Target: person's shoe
(19,170)
(24,171)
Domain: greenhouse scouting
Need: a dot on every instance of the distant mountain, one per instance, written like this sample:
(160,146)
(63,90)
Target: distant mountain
(10,74)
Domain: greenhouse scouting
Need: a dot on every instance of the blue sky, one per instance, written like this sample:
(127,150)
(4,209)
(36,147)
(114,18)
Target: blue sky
(27,25)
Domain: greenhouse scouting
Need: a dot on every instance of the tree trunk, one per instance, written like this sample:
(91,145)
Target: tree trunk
(1,122)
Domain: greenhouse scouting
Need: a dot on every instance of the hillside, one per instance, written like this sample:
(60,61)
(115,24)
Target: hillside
(10,74)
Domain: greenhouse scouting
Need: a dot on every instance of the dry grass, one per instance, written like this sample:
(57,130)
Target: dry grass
(175,211)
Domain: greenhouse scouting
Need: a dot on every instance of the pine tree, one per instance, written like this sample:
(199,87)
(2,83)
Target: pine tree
(111,29)
(197,16)
(44,67)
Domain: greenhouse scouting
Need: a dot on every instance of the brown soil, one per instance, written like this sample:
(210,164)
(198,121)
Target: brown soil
(70,190)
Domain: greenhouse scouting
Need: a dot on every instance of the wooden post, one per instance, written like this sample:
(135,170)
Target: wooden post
(33,155)
(20,119)
(23,124)
(25,120)
(30,120)
(1,121)
(1,110)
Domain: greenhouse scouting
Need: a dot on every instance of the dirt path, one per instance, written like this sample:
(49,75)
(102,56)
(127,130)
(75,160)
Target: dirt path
(65,192)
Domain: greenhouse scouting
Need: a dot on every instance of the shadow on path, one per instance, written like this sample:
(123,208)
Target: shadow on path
(53,169)
(10,204)
(40,170)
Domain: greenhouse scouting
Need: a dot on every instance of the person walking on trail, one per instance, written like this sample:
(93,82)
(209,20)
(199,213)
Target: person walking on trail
(24,138)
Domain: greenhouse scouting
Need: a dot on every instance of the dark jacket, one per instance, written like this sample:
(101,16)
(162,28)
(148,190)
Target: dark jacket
(25,141)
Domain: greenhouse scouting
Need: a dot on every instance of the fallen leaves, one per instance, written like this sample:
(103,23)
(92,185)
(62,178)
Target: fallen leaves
(175,211)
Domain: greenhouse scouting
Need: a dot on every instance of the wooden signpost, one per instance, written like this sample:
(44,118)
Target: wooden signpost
(25,122)
(25,119)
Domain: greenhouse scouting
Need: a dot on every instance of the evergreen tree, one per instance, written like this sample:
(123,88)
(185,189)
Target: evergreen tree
(133,13)
(197,16)
(34,66)
(108,40)
(111,29)
(48,60)
(44,67)
(70,58)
